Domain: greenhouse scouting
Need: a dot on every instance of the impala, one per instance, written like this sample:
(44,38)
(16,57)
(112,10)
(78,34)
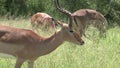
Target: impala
(26,45)
(81,19)
(41,19)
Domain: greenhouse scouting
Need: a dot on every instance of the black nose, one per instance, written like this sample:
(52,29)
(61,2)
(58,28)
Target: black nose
(82,43)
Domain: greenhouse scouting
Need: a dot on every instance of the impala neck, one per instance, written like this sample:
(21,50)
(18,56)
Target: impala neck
(51,43)
(55,40)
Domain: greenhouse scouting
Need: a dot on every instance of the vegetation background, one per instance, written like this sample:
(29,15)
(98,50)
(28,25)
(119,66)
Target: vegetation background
(109,8)
(96,53)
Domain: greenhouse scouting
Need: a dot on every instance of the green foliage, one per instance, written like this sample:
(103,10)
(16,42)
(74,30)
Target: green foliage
(15,7)
(109,8)
(34,6)
(2,9)
(114,12)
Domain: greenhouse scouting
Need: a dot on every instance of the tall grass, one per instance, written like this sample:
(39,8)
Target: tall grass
(96,53)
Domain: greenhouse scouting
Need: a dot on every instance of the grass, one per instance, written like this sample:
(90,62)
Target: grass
(96,53)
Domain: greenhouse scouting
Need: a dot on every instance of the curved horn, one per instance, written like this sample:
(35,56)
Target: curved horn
(65,12)
(61,9)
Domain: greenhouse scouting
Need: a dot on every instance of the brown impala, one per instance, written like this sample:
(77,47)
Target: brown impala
(26,45)
(41,19)
(80,19)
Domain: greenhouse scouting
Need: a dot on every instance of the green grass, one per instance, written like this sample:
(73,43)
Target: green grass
(96,53)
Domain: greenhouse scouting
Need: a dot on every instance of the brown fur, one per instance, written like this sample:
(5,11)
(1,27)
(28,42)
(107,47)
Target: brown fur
(86,17)
(81,19)
(41,20)
(26,45)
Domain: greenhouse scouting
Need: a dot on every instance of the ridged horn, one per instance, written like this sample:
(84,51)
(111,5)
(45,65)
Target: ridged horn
(64,12)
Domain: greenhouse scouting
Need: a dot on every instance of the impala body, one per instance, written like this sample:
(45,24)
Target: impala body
(81,19)
(41,19)
(26,45)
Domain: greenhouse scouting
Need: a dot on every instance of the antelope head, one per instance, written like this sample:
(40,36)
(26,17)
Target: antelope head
(68,34)
(69,14)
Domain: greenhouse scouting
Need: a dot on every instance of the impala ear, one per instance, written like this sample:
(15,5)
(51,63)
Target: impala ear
(58,22)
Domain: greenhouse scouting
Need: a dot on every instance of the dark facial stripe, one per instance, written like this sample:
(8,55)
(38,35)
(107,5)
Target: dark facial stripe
(75,21)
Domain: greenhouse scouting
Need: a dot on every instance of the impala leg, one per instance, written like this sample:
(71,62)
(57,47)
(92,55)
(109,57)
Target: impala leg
(19,63)
(30,64)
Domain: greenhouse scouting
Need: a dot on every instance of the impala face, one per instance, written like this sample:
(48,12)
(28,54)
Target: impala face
(71,35)
(78,37)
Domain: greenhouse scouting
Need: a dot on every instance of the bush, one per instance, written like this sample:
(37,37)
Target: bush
(109,8)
